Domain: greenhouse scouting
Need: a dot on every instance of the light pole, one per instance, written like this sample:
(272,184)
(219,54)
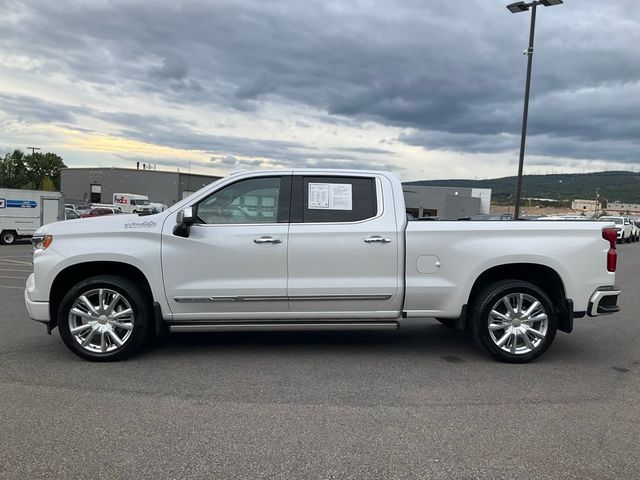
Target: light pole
(517,8)
(33,150)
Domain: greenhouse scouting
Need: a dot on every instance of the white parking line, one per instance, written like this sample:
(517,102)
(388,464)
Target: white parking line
(15,288)
(19,262)
(19,278)
(14,270)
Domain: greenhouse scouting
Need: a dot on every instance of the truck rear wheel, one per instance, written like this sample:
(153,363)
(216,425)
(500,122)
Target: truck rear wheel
(513,320)
(8,237)
(104,318)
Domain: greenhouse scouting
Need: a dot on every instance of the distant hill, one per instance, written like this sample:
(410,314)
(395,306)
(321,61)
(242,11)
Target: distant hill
(616,185)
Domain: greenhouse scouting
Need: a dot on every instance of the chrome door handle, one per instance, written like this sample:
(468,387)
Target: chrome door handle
(267,240)
(376,239)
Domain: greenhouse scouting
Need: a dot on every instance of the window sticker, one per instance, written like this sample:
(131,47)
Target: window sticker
(330,196)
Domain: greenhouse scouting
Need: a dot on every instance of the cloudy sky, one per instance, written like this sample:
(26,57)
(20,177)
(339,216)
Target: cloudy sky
(428,89)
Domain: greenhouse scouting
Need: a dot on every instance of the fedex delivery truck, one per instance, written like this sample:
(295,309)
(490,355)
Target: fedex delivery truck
(22,212)
(132,203)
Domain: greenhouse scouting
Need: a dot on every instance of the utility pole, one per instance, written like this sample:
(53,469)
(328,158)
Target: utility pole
(33,150)
(517,8)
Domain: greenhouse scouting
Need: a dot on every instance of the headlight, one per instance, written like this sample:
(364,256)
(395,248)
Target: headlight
(41,242)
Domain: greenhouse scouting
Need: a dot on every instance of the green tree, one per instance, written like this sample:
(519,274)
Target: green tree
(13,170)
(44,165)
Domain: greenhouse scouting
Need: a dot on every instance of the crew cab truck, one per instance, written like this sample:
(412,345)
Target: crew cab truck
(315,250)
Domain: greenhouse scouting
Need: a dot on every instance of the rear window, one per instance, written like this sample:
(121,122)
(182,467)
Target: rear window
(338,199)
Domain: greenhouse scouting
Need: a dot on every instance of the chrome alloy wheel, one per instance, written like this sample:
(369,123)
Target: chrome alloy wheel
(518,323)
(101,320)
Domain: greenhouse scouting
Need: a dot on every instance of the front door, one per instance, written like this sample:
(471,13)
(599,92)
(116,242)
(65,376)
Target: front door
(233,265)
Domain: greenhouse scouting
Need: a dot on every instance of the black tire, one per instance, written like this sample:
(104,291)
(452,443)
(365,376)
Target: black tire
(8,237)
(488,300)
(139,323)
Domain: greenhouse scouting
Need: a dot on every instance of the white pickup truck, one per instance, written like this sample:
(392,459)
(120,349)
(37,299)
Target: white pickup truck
(315,250)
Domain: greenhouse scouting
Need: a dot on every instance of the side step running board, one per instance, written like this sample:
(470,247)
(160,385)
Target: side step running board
(282,327)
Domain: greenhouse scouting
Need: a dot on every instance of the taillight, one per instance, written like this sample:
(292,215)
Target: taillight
(611,235)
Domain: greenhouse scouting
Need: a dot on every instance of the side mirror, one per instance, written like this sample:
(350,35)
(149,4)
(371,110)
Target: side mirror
(186,216)
(184,220)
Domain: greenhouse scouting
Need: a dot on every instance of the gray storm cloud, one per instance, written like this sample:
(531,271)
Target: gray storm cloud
(450,73)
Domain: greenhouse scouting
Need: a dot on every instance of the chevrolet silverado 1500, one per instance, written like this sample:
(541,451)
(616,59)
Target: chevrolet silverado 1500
(315,250)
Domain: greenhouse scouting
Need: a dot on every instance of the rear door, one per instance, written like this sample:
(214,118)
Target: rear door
(50,208)
(344,248)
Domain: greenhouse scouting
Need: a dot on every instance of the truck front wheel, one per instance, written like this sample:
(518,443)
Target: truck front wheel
(104,318)
(8,237)
(513,320)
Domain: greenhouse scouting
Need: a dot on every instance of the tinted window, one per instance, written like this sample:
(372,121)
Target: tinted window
(254,200)
(338,199)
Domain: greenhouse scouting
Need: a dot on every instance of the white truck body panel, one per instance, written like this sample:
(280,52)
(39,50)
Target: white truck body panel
(464,250)
(24,211)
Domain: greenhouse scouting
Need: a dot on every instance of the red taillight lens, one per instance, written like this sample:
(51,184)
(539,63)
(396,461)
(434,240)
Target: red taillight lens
(611,235)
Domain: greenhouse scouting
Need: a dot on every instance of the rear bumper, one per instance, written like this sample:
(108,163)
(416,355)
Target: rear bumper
(604,301)
(38,311)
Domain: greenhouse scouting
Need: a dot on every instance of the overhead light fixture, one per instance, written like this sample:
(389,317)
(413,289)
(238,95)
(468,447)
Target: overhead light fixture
(519,7)
(550,3)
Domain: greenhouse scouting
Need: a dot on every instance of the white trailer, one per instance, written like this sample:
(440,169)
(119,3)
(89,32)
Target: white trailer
(132,203)
(22,212)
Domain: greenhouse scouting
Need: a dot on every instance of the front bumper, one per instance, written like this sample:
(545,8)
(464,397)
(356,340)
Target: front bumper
(38,311)
(604,301)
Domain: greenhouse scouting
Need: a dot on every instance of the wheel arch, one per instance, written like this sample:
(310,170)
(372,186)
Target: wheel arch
(73,274)
(542,276)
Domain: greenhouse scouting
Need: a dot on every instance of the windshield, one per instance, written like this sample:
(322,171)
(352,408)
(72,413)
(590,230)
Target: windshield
(140,202)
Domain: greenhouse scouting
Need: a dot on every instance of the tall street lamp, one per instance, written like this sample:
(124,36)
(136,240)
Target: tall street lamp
(517,8)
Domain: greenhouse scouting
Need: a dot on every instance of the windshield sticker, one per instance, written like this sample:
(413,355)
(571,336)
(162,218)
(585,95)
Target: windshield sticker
(147,224)
(330,196)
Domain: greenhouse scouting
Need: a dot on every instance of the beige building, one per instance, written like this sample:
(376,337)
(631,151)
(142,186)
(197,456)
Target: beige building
(621,208)
(588,207)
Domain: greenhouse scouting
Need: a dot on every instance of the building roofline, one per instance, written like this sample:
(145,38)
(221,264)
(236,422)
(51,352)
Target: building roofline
(137,170)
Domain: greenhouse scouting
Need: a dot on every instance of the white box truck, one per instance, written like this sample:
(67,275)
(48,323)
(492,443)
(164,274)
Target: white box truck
(132,203)
(22,212)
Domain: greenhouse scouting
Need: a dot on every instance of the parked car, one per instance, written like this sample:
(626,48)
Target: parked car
(315,250)
(80,209)
(492,217)
(622,225)
(100,211)
(571,218)
(70,214)
(635,230)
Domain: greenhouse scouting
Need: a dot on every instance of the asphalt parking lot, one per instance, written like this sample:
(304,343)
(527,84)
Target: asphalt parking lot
(420,403)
